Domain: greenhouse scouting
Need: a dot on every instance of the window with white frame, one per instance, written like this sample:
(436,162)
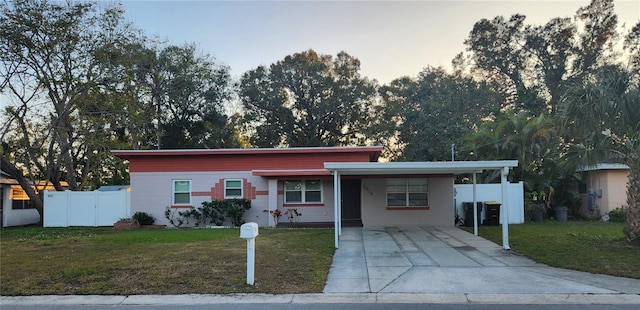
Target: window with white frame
(407,193)
(233,188)
(181,192)
(303,191)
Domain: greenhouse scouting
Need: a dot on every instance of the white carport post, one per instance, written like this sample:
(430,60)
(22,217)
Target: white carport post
(336,207)
(504,210)
(475,205)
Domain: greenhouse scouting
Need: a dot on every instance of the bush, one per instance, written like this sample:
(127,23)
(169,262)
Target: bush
(178,218)
(144,218)
(235,209)
(618,215)
(212,211)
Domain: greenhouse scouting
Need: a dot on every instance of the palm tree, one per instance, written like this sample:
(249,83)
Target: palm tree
(516,134)
(601,116)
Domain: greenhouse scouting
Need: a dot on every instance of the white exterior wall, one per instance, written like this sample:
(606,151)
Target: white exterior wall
(19,217)
(151,192)
(375,213)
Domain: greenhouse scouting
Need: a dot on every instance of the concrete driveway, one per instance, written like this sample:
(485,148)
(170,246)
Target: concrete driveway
(448,260)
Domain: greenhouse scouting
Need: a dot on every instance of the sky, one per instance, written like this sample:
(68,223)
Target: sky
(391,38)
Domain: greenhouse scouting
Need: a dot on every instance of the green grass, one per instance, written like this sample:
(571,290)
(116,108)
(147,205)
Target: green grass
(594,247)
(38,261)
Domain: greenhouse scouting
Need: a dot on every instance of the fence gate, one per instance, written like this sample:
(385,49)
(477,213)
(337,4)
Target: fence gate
(96,208)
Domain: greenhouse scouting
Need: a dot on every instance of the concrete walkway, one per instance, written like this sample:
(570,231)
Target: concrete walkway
(448,260)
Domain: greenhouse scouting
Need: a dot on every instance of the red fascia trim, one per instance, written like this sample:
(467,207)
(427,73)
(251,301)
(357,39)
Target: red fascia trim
(374,150)
(408,208)
(288,205)
(244,162)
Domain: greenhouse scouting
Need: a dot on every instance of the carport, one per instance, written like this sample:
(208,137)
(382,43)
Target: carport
(339,169)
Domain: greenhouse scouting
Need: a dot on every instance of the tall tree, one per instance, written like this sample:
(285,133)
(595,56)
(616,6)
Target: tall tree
(594,44)
(308,99)
(52,70)
(435,110)
(191,90)
(531,139)
(496,49)
(533,62)
(549,48)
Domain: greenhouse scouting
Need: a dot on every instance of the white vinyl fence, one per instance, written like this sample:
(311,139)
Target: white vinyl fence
(96,208)
(492,192)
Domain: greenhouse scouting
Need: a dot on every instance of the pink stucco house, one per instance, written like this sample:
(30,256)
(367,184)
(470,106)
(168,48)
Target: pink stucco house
(604,188)
(334,185)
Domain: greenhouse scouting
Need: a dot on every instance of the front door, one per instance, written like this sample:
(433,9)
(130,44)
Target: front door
(350,191)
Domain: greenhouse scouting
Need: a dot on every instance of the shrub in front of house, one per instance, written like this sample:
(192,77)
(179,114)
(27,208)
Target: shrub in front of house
(618,215)
(211,212)
(235,209)
(144,218)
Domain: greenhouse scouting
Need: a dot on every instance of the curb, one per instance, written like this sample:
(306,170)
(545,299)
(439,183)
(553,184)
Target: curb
(337,298)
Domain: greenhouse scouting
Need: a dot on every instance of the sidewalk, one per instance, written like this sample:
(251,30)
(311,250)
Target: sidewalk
(343,298)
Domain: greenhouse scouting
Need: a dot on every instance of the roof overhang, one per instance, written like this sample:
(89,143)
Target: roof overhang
(611,166)
(291,173)
(374,151)
(409,168)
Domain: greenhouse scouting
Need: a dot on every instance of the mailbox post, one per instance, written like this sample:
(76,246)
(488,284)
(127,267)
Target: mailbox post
(249,231)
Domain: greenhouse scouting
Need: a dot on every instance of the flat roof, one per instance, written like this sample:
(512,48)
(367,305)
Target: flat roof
(428,167)
(249,151)
(605,166)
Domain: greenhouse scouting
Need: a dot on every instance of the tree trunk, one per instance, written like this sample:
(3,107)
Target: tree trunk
(632,227)
(14,172)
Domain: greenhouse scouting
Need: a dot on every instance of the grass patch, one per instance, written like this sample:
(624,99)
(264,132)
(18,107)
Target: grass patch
(41,261)
(594,247)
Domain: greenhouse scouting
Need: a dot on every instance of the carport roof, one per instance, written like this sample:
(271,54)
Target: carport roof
(429,167)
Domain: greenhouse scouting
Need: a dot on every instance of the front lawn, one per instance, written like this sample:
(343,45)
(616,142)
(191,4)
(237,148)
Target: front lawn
(594,247)
(40,261)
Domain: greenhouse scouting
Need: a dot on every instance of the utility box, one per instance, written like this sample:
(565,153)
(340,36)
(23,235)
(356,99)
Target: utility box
(492,213)
(249,230)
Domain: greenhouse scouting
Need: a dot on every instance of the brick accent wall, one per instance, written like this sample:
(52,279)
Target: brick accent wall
(217,191)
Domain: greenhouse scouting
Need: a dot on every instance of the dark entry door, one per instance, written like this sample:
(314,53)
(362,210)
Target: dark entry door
(351,214)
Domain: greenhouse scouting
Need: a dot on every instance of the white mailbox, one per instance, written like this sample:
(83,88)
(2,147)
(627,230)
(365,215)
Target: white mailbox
(249,230)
